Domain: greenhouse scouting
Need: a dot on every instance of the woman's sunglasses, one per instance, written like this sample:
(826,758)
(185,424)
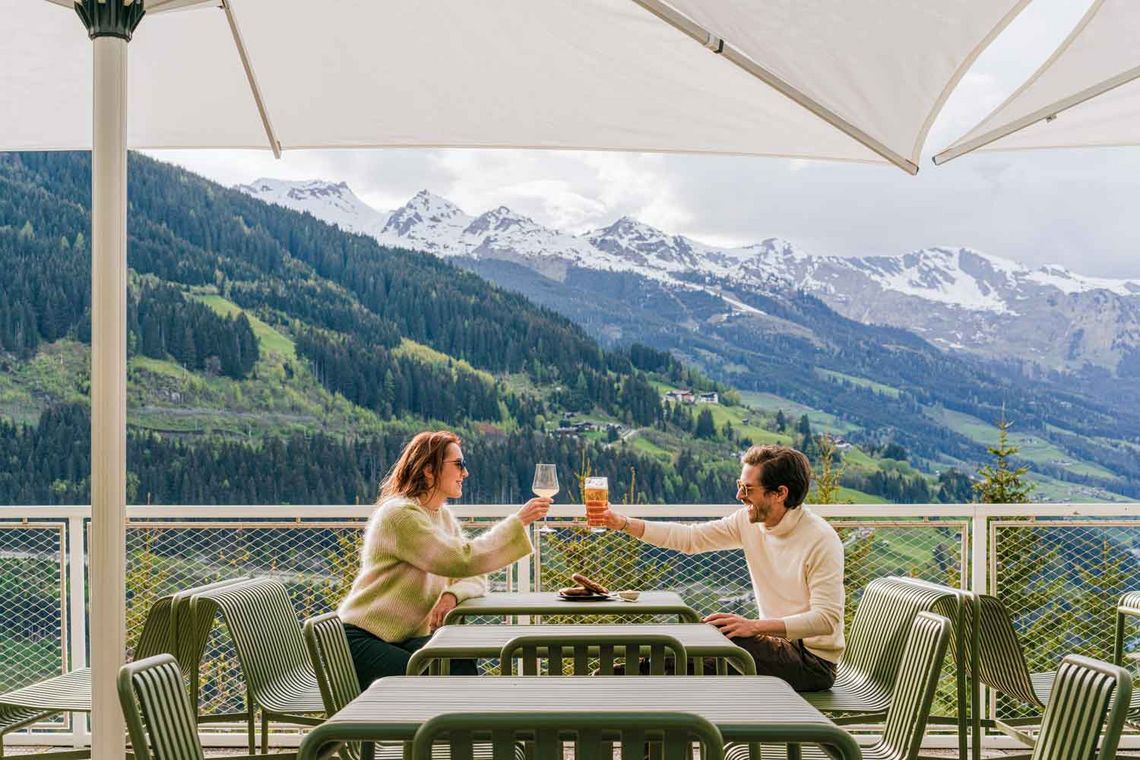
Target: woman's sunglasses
(462,463)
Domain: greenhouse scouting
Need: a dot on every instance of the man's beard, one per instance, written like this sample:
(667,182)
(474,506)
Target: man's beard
(757,513)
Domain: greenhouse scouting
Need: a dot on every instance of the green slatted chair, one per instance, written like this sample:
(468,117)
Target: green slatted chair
(865,676)
(71,692)
(157,709)
(576,649)
(958,605)
(1088,704)
(1127,607)
(912,696)
(336,676)
(332,661)
(592,734)
(279,679)
(1002,667)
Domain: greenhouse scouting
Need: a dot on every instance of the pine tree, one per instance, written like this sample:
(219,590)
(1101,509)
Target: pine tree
(998,483)
(830,470)
(706,426)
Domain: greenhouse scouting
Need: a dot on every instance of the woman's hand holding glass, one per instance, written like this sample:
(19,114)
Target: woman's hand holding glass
(535,509)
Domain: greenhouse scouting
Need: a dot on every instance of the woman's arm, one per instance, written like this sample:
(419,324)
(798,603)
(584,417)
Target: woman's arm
(468,588)
(415,539)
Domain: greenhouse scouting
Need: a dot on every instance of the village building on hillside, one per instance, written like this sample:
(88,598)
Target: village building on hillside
(686,396)
(681,395)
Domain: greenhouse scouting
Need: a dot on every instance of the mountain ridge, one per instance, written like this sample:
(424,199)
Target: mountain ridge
(957,298)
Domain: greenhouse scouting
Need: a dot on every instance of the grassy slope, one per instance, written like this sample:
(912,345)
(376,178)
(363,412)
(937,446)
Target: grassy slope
(1032,448)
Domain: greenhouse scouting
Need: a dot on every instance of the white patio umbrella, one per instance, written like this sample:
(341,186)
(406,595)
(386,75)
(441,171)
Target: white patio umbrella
(1087,94)
(851,80)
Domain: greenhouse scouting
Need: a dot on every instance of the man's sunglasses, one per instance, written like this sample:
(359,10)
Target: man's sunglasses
(462,463)
(745,488)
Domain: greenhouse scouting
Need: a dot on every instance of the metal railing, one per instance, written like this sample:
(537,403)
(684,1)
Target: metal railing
(1059,568)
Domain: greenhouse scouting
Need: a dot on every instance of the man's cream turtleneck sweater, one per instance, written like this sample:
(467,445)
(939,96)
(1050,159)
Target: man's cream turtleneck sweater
(796,569)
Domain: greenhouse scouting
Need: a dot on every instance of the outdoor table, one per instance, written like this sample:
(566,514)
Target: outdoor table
(549,603)
(487,641)
(745,709)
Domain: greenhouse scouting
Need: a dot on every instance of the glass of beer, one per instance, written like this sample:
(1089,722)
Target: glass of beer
(597,500)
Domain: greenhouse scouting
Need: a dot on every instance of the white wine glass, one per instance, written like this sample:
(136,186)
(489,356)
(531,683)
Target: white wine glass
(545,485)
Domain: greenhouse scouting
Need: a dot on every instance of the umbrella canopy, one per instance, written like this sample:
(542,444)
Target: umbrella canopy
(1087,94)
(852,81)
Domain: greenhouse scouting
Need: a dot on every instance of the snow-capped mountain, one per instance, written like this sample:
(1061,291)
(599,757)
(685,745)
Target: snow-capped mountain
(332,202)
(958,298)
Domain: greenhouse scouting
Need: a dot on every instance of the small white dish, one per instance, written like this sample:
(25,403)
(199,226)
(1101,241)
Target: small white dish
(628,596)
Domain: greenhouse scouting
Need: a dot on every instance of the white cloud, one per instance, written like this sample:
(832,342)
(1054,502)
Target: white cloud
(1067,207)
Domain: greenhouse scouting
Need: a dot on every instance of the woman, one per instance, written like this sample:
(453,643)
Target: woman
(416,564)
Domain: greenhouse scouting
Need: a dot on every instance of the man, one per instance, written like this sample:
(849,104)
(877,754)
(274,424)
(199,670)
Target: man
(795,560)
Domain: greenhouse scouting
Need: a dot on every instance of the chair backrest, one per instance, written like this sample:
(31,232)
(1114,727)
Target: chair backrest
(915,685)
(157,636)
(193,633)
(578,648)
(157,710)
(332,661)
(1089,697)
(591,733)
(265,631)
(1128,606)
(1001,660)
(881,626)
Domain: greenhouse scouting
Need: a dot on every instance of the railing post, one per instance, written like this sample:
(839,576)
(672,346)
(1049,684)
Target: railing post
(979,584)
(979,553)
(77,612)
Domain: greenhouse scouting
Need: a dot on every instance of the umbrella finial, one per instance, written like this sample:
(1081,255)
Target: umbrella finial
(110,18)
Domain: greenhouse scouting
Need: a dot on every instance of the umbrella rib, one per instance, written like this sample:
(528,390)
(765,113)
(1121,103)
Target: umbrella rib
(255,89)
(723,48)
(1048,113)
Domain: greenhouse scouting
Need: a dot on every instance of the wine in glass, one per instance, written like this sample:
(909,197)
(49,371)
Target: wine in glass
(545,485)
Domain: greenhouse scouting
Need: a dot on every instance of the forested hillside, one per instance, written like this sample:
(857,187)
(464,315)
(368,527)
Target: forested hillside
(275,358)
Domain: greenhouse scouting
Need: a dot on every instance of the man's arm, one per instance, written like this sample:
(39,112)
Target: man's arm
(740,627)
(715,535)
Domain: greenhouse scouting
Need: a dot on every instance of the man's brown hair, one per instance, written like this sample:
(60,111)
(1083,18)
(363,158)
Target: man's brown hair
(781,466)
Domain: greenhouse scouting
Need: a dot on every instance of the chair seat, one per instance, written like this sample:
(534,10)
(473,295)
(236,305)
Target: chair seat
(296,694)
(70,692)
(15,717)
(849,698)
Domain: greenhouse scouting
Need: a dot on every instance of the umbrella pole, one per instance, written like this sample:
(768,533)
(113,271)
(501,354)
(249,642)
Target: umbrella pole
(108,391)
(110,24)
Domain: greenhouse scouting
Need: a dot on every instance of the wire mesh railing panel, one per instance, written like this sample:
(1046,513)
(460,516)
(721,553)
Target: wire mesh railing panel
(932,550)
(315,561)
(1060,581)
(33,614)
(1060,577)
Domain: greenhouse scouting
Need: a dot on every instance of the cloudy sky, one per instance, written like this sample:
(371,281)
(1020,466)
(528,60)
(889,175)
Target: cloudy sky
(1073,208)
